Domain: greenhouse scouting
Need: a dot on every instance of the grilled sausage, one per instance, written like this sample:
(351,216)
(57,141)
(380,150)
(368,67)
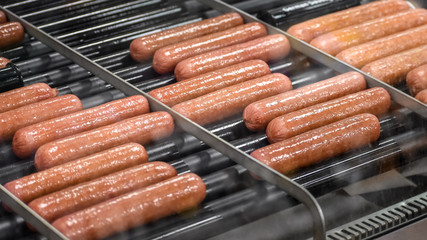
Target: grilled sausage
(25,95)
(13,120)
(375,101)
(232,100)
(166,58)
(416,79)
(339,40)
(310,29)
(142,206)
(209,82)
(265,48)
(4,62)
(81,170)
(143,48)
(3,17)
(422,96)
(86,194)
(27,140)
(11,33)
(362,54)
(393,69)
(258,114)
(140,129)
(319,144)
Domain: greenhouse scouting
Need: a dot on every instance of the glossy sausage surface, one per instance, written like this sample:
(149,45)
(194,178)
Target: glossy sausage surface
(140,129)
(83,169)
(266,48)
(209,82)
(142,206)
(4,62)
(143,48)
(166,58)
(416,79)
(319,144)
(422,96)
(27,140)
(11,33)
(257,115)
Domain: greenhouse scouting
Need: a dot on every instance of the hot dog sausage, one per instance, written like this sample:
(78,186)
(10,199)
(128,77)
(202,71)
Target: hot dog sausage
(11,33)
(319,144)
(393,69)
(422,96)
(142,206)
(81,170)
(143,48)
(336,41)
(15,119)
(140,129)
(375,101)
(265,48)
(86,194)
(3,17)
(232,100)
(209,82)
(258,114)
(166,58)
(362,54)
(310,29)
(4,62)
(27,140)
(25,95)
(416,79)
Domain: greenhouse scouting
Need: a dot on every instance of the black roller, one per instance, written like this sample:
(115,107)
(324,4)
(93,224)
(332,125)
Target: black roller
(311,75)
(10,77)
(12,226)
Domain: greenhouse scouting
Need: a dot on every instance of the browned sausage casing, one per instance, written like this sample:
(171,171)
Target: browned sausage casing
(142,206)
(422,96)
(362,54)
(232,100)
(416,80)
(86,194)
(258,114)
(393,69)
(339,40)
(4,62)
(310,29)
(11,121)
(3,17)
(319,144)
(140,129)
(11,33)
(375,101)
(27,140)
(25,95)
(81,170)
(166,58)
(265,48)
(143,48)
(209,82)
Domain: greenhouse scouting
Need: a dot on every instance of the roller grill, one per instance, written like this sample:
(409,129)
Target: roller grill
(234,197)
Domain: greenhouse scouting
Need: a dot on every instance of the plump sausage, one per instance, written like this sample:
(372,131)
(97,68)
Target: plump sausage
(81,170)
(3,62)
(416,79)
(11,33)
(375,101)
(143,48)
(145,205)
(265,48)
(362,54)
(319,144)
(3,17)
(232,100)
(209,82)
(393,69)
(258,114)
(15,119)
(166,58)
(310,29)
(339,40)
(27,140)
(86,194)
(422,96)
(25,95)
(140,129)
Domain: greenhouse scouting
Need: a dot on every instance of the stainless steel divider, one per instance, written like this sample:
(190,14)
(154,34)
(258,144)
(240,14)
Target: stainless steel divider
(215,142)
